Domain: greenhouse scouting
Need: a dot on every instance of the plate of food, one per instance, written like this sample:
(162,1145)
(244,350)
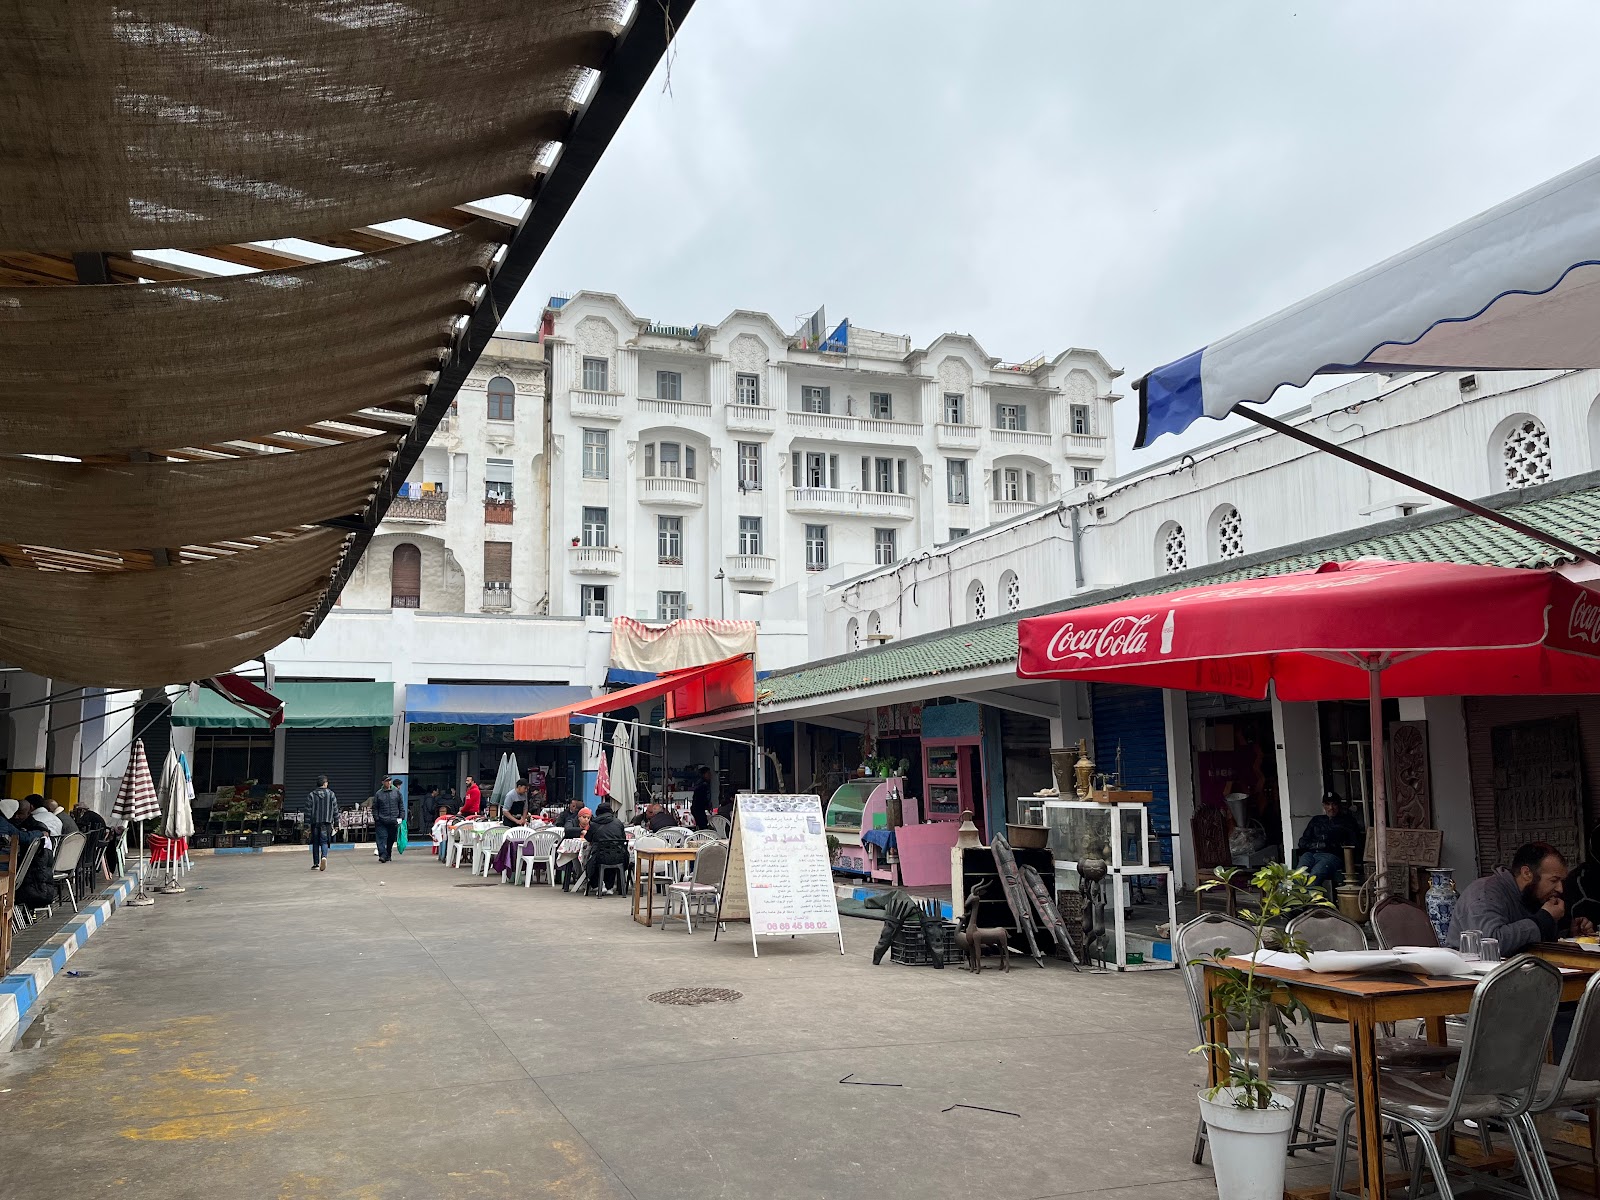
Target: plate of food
(1589,944)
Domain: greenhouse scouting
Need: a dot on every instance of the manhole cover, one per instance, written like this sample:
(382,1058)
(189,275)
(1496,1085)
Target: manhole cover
(483,883)
(694,996)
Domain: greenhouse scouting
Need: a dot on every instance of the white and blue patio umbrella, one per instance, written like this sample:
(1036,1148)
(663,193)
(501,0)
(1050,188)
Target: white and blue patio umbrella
(1515,288)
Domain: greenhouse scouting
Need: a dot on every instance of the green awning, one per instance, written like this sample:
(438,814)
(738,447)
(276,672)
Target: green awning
(305,706)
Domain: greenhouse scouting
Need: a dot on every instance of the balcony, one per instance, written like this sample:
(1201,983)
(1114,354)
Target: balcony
(1021,437)
(674,408)
(594,560)
(836,501)
(752,568)
(424,510)
(750,418)
(1083,445)
(956,437)
(605,405)
(497,512)
(497,597)
(836,423)
(672,492)
(1011,508)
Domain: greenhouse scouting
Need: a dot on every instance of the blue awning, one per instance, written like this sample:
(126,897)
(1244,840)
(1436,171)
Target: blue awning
(485,704)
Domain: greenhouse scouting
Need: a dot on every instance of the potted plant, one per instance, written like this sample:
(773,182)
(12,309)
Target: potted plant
(1248,1126)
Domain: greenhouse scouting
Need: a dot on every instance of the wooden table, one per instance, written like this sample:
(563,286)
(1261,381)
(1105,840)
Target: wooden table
(644,868)
(1365,999)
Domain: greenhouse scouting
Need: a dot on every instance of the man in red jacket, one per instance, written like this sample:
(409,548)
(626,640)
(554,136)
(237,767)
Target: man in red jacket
(473,804)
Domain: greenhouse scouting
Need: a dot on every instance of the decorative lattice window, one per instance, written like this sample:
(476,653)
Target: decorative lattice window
(1230,534)
(980,602)
(853,634)
(1013,589)
(1525,454)
(1174,551)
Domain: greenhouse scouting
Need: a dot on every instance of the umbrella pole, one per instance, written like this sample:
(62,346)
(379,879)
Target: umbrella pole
(1380,801)
(140,896)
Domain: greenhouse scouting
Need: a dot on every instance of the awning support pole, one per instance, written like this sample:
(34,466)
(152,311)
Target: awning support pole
(1250,413)
(1380,802)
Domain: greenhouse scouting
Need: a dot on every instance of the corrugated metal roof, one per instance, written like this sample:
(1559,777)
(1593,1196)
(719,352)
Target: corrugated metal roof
(1575,515)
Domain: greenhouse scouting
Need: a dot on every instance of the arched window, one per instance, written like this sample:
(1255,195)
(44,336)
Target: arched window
(1525,453)
(875,624)
(1011,586)
(502,399)
(405,577)
(1228,532)
(852,635)
(1172,549)
(977,601)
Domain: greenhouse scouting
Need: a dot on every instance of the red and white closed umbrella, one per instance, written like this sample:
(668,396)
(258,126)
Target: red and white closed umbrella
(137,802)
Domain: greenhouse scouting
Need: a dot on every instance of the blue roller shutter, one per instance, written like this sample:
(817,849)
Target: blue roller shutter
(1133,718)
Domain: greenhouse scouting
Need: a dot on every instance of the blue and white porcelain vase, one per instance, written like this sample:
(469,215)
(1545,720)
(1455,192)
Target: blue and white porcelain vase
(1441,900)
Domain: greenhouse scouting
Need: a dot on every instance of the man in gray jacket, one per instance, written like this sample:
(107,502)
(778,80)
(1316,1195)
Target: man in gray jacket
(322,812)
(1521,906)
(388,810)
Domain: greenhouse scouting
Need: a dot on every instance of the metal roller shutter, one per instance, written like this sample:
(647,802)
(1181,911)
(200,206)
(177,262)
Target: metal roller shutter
(154,726)
(345,756)
(1133,719)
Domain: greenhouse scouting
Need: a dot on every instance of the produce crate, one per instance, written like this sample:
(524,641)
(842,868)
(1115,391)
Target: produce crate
(261,838)
(202,841)
(909,947)
(236,840)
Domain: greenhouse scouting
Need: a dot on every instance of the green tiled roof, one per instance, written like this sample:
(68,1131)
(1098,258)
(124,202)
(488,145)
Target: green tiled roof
(1573,515)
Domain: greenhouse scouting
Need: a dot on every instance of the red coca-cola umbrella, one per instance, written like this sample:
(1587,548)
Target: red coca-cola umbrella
(1368,628)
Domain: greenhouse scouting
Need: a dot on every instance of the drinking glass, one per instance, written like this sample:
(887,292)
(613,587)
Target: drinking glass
(1489,950)
(1470,940)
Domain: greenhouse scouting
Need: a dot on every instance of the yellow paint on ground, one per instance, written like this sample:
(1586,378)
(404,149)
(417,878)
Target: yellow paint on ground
(212,1126)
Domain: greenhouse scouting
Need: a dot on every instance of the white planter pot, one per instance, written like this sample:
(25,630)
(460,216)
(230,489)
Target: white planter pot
(1249,1147)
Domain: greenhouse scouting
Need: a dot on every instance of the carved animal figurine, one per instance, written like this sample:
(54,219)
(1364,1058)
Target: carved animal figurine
(972,940)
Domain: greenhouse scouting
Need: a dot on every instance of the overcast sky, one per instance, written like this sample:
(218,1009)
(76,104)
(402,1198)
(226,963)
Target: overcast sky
(1140,178)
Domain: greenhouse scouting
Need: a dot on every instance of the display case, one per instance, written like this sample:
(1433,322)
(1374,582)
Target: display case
(855,813)
(952,779)
(1119,836)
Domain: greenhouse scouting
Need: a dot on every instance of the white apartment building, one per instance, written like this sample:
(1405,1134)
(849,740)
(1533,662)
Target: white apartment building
(728,469)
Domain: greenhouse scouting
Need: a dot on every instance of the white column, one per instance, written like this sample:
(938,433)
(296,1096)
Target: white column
(25,733)
(1296,735)
(1180,784)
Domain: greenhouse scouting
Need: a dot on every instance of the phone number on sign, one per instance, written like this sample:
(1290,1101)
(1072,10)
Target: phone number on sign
(795,927)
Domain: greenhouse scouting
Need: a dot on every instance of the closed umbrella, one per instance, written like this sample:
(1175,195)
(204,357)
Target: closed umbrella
(602,777)
(505,780)
(177,817)
(622,771)
(136,802)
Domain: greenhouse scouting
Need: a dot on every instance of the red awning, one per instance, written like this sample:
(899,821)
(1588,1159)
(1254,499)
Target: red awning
(689,692)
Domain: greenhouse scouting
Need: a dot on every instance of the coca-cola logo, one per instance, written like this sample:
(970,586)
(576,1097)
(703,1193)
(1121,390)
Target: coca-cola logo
(1120,637)
(1583,622)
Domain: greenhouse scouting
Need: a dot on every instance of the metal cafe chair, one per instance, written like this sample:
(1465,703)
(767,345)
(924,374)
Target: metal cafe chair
(1508,1025)
(1292,1064)
(1574,1082)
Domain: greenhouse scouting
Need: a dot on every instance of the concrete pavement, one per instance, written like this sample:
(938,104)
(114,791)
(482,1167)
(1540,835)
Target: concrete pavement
(387,1033)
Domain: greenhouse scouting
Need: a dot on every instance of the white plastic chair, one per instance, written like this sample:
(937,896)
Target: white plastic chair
(462,838)
(516,834)
(702,837)
(702,892)
(722,827)
(675,836)
(539,849)
(67,856)
(484,846)
(662,873)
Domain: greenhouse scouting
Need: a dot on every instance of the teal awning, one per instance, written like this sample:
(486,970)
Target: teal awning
(331,705)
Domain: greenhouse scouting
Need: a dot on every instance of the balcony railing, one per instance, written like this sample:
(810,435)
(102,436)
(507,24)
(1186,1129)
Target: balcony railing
(671,490)
(756,418)
(496,598)
(594,560)
(674,408)
(844,424)
(1083,445)
(1010,508)
(606,405)
(417,508)
(497,512)
(752,568)
(956,437)
(1021,437)
(852,503)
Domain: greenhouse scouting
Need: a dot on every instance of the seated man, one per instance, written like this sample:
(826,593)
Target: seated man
(1321,846)
(1520,906)
(658,818)
(608,843)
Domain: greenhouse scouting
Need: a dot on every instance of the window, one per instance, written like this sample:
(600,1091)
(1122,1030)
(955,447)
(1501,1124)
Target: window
(405,577)
(749,535)
(497,477)
(1080,418)
(1525,453)
(749,466)
(597,454)
(747,389)
(669,461)
(1173,549)
(669,385)
(956,480)
(1029,490)
(596,527)
(956,532)
(811,469)
(814,400)
(594,600)
(977,601)
(502,399)
(852,635)
(883,474)
(883,547)
(1230,533)
(669,540)
(881,406)
(1082,475)
(1012,587)
(596,374)
(669,606)
(816,547)
(901,476)
(497,574)
(955,408)
(1008,484)
(688,462)
(1010,416)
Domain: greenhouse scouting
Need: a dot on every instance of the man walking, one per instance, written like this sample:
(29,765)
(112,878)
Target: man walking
(388,810)
(322,811)
(700,805)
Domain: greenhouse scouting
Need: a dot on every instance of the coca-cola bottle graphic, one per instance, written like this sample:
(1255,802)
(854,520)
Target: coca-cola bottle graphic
(1166,631)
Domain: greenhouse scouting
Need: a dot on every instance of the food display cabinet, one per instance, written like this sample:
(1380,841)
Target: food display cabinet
(1119,836)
